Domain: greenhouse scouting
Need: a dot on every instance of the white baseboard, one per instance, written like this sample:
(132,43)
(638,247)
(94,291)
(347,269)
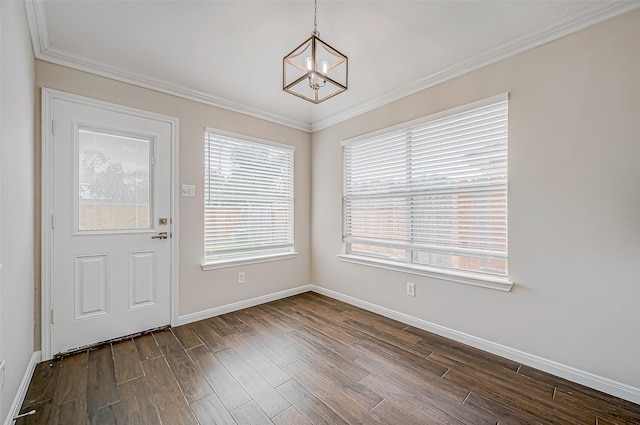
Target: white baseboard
(205,314)
(24,386)
(590,380)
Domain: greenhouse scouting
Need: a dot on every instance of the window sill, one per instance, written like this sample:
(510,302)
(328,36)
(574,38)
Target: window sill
(252,260)
(484,281)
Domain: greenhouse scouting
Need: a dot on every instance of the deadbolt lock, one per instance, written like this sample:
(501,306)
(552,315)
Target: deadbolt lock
(163,221)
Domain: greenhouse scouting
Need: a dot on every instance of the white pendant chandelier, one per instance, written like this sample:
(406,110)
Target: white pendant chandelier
(314,70)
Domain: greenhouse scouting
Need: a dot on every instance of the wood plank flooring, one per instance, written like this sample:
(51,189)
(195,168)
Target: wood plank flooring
(305,360)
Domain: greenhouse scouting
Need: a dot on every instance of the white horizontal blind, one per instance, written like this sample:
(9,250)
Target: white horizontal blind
(433,193)
(248,198)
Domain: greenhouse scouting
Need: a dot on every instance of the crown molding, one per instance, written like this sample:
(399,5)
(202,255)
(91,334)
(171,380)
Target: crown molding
(36,18)
(592,15)
(598,12)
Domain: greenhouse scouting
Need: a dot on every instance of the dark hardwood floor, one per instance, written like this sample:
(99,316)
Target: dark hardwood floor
(305,360)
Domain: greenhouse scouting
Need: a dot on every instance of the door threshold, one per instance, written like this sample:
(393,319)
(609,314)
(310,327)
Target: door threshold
(91,347)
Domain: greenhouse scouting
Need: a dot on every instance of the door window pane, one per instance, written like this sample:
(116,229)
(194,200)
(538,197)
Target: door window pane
(114,181)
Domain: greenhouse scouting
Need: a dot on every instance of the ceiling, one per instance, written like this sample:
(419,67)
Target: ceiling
(229,53)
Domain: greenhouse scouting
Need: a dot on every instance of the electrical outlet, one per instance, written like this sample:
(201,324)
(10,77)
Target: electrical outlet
(2,371)
(240,278)
(411,289)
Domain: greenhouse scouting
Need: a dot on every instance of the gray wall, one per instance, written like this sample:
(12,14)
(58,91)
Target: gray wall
(574,206)
(205,290)
(16,198)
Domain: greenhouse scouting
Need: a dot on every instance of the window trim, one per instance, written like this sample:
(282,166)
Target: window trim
(491,281)
(254,260)
(499,283)
(258,258)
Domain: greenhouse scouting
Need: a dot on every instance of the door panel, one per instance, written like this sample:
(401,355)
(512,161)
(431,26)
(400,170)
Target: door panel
(111,185)
(143,285)
(91,286)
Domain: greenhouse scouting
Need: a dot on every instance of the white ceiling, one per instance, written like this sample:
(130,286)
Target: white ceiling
(229,53)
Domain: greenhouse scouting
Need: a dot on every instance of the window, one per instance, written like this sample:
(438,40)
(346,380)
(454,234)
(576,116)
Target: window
(248,200)
(430,197)
(113,182)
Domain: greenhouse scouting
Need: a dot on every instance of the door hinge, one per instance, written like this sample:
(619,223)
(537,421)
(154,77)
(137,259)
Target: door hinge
(52,317)
(153,160)
(53,220)
(53,127)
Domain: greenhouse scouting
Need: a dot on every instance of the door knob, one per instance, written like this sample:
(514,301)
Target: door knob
(160,235)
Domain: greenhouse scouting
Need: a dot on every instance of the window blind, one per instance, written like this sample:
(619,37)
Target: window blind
(431,193)
(248,198)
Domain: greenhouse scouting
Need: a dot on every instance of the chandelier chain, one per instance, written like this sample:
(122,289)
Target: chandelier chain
(315,17)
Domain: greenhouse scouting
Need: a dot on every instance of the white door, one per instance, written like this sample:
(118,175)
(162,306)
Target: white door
(111,220)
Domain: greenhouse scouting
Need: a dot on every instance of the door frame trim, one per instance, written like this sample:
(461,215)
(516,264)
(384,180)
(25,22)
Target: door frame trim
(47,260)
